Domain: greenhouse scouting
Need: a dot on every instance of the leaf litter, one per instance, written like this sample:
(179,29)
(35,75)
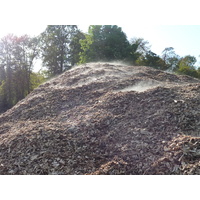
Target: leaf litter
(105,118)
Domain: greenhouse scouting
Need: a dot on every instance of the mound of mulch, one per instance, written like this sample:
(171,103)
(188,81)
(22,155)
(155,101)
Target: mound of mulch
(102,118)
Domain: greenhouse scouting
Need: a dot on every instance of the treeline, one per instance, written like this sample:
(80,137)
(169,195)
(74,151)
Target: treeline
(108,43)
(17,78)
(62,46)
(17,57)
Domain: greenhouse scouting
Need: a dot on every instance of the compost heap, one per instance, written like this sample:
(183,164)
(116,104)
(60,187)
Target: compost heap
(105,118)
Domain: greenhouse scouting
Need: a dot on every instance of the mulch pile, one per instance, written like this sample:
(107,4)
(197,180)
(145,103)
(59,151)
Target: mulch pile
(105,118)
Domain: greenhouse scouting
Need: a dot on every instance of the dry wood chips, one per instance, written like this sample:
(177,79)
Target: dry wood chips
(104,118)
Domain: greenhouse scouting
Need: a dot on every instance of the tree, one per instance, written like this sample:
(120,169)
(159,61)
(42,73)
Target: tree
(16,59)
(190,71)
(186,66)
(25,51)
(187,61)
(36,79)
(75,47)
(104,43)
(55,46)
(170,58)
(6,48)
(138,48)
(152,60)
(198,71)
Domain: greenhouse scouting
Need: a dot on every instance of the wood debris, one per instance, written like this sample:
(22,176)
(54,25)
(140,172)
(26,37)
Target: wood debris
(86,121)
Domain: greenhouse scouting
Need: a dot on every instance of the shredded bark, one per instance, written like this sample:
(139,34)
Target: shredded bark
(104,118)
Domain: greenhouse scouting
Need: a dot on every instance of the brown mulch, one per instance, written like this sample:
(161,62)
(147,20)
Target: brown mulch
(102,118)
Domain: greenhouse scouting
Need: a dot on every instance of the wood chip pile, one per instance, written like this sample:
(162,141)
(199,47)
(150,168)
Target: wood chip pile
(104,118)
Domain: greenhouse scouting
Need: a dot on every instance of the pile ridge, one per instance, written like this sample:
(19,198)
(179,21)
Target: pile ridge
(105,118)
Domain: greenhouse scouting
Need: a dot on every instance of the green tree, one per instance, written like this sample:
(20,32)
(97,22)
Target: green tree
(55,46)
(152,60)
(138,48)
(3,101)
(104,43)
(6,63)
(36,79)
(75,47)
(170,58)
(187,61)
(186,66)
(16,59)
(198,71)
(25,51)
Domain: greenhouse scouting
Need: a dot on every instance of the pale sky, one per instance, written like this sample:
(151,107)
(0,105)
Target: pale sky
(21,29)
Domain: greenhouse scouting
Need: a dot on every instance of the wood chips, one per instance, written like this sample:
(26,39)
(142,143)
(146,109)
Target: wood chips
(104,118)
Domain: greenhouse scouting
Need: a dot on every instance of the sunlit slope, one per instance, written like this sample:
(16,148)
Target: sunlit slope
(102,118)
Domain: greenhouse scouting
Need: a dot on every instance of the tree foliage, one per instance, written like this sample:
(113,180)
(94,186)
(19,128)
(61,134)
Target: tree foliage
(75,47)
(16,63)
(186,66)
(170,58)
(138,48)
(152,60)
(55,47)
(104,43)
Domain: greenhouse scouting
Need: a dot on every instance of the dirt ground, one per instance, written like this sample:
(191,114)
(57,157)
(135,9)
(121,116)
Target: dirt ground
(105,118)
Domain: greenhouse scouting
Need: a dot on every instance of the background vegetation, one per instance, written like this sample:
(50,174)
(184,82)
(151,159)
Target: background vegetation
(60,47)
